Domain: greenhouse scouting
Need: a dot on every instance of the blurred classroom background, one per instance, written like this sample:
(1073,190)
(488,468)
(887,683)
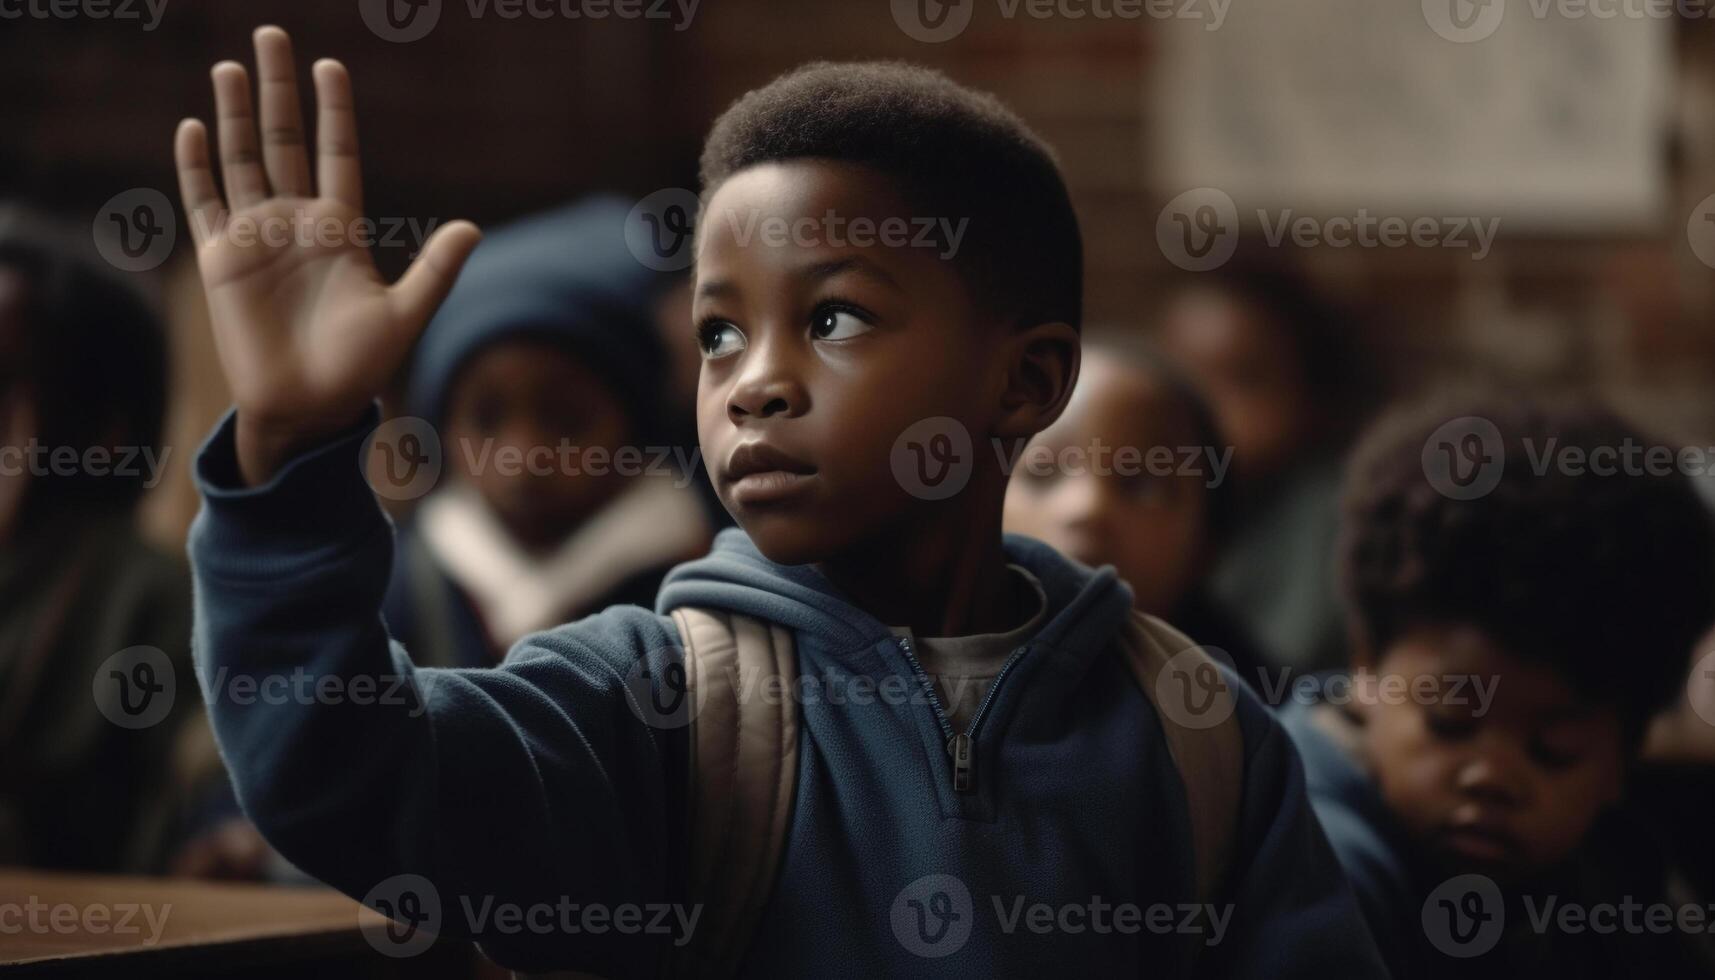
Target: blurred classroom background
(1561,169)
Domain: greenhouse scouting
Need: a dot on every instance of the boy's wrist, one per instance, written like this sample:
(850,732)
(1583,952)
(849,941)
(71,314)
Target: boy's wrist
(263,448)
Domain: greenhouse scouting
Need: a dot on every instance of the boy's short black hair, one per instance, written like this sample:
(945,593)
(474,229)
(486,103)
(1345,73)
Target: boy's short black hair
(1608,579)
(955,153)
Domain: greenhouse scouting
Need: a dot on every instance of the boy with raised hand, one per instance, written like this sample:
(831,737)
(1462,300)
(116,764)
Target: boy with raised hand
(1057,834)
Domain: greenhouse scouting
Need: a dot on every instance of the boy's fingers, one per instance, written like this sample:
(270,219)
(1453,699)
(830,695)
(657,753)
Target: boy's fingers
(419,292)
(196,180)
(282,119)
(240,166)
(337,171)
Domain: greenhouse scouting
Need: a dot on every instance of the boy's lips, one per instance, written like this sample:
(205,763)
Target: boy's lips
(1482,841)
(758,473)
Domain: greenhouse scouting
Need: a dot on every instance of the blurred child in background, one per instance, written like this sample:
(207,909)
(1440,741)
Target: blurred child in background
(541,367)
(82,392)
(1158,513)
(1270,357)
(1512,647)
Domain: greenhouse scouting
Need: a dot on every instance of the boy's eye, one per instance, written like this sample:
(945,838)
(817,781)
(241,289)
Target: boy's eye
(1145,487)
(1557,749)
(837,323)
(717,338)
(1552,757)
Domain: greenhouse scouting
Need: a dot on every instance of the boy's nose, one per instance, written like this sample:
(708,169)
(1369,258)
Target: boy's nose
(1492,780)
(1082,503)
(766,397)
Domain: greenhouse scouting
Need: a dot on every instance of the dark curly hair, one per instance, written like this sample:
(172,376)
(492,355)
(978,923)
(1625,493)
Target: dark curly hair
(1608,579)
(955,153)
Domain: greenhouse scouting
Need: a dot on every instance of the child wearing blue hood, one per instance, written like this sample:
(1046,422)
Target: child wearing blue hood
(537,372)
(863,357)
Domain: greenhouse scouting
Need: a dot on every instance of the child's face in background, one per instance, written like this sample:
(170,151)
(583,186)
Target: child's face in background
(521,420)
(1250,371)
(1506,791)
(1152,528)
(819,353)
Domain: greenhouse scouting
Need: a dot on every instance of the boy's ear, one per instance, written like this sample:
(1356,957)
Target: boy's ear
(1041,363)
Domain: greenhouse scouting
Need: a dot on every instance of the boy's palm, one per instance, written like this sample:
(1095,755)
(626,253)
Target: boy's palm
(307,331)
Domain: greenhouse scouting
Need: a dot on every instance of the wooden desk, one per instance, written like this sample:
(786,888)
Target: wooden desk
(87,925)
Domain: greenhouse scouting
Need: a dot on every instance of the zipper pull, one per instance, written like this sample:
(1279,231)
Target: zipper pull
(960,749)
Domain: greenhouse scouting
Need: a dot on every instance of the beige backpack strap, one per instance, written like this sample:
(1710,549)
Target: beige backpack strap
(744,773)
(1196,707)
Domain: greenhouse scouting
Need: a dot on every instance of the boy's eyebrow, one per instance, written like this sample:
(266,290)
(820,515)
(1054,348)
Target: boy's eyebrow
(717,288)
(850,263)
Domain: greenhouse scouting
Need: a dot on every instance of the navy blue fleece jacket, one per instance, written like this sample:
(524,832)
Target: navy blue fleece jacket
(541,783)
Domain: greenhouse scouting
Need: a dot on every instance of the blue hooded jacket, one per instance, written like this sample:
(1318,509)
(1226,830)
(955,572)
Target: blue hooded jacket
(541,786)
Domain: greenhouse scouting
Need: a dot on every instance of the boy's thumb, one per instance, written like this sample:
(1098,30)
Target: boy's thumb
(426,283)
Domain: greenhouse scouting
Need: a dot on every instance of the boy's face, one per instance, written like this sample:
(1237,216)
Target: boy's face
(819,352)
(1506,791)
(1111,511)
(521,419)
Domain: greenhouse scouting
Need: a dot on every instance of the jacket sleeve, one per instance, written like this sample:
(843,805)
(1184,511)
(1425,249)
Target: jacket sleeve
(500,798)
(1292,911)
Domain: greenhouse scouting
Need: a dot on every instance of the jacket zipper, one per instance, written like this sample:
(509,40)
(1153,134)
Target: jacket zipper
(961,746)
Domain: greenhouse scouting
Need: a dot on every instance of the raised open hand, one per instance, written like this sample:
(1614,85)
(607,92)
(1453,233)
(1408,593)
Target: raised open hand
(308,333)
